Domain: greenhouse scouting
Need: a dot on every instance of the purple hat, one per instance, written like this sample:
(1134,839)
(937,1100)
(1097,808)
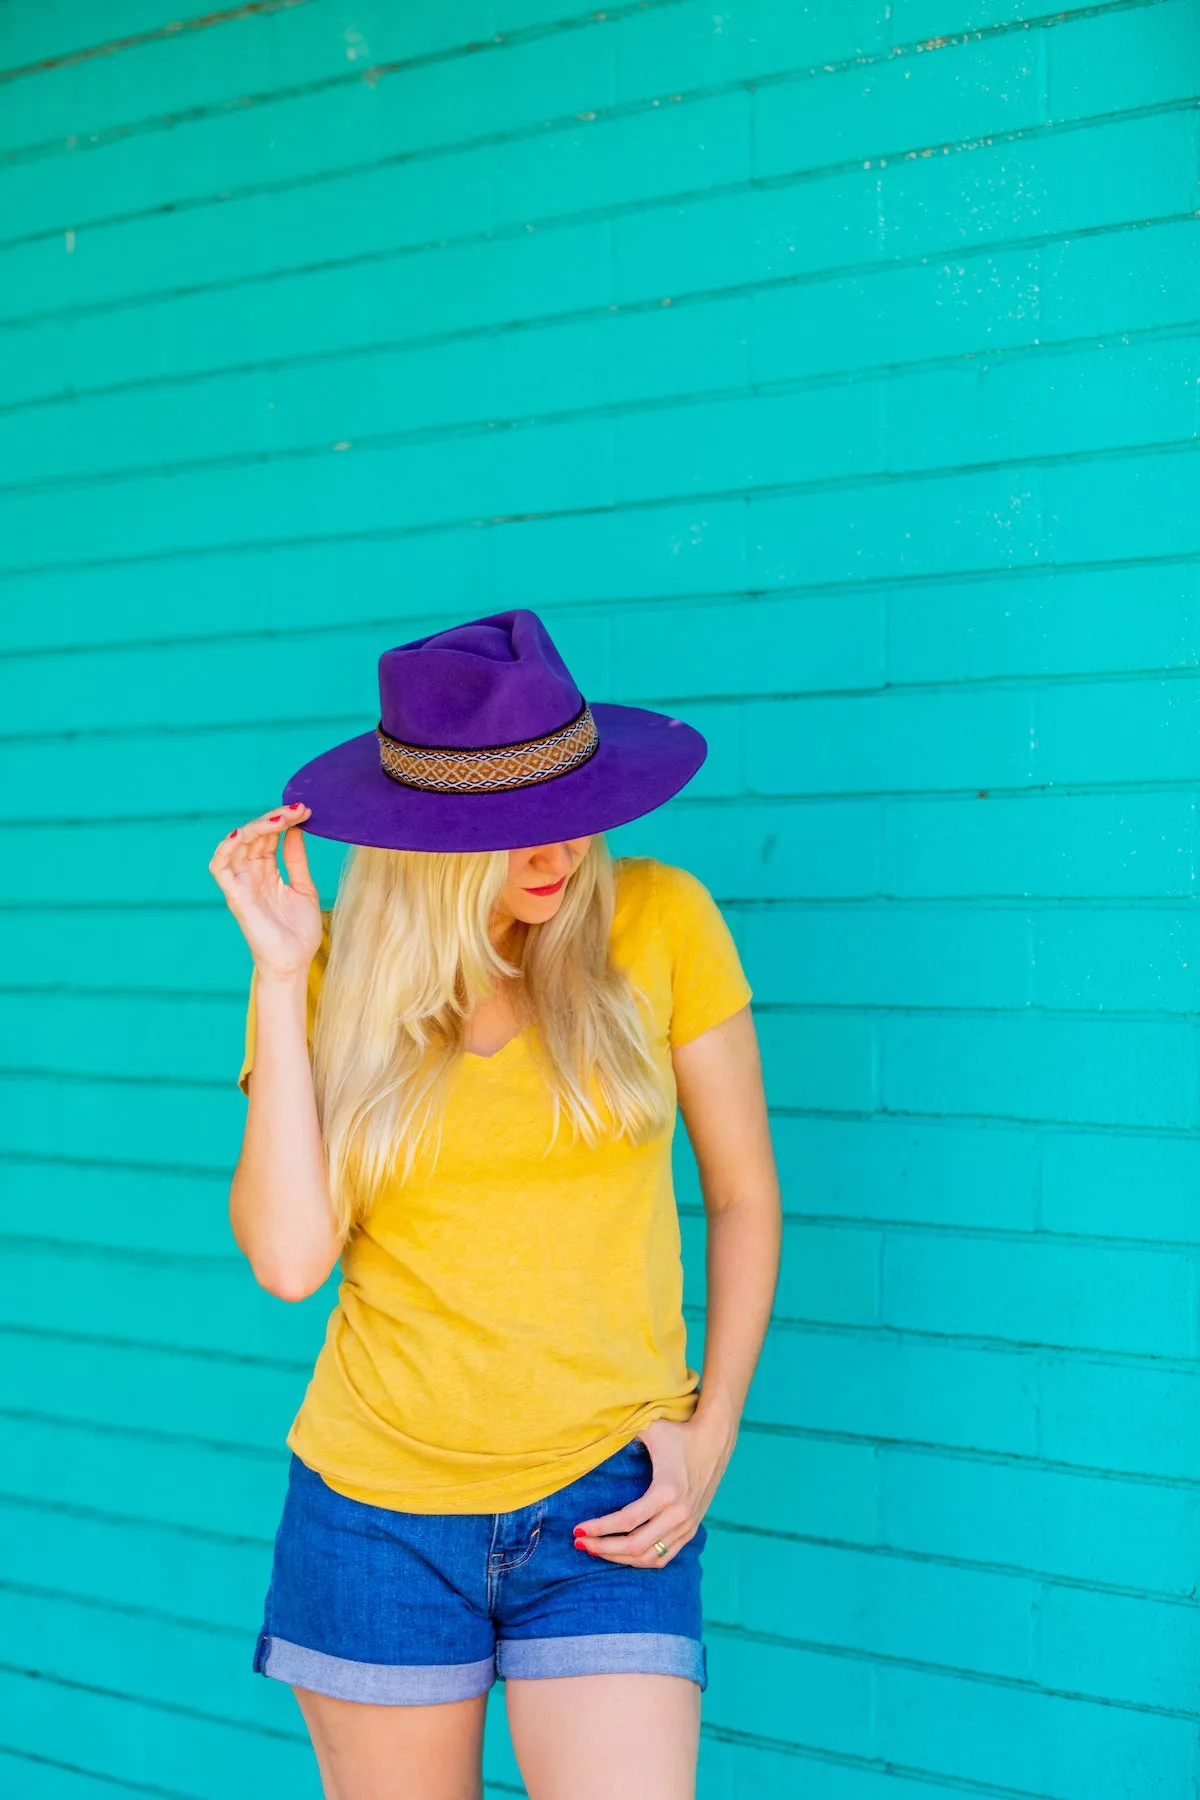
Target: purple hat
(484,742)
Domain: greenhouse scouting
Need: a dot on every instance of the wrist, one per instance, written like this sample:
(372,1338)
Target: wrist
(281,980)
(716,1417)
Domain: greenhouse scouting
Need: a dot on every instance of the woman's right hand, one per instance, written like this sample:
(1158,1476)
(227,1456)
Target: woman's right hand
(281,920)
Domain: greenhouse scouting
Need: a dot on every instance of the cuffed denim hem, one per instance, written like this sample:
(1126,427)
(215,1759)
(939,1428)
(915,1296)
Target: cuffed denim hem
(376,1684)
(605,1653)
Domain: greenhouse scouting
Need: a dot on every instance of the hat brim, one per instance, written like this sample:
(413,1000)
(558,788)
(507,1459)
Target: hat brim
(643,759)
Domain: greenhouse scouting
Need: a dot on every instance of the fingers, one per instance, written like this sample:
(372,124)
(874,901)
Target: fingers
(671,1525)
(629,1535)
(636,1513)
(295,857)
(257,838)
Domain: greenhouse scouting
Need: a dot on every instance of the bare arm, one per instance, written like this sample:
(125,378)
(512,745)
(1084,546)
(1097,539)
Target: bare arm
(721,1097)
(719,1078)
(279,1203)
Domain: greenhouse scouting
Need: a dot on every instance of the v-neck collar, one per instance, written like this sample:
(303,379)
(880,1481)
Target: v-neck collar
(493,1056)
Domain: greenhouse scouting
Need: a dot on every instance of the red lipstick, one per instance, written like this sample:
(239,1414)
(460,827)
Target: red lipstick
(552,889)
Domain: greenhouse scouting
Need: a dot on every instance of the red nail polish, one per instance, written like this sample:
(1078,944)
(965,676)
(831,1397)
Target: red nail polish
(234,832)
(274,819)
(295,805)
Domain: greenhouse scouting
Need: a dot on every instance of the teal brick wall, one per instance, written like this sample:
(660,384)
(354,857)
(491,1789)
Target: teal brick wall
(828,374)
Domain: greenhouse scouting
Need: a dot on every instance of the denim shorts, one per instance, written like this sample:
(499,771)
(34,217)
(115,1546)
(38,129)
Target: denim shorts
(407,1609)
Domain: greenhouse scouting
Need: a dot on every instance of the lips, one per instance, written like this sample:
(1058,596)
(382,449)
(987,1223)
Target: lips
(552,889)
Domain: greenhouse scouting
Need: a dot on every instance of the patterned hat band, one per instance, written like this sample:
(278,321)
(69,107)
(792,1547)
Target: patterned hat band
(495,770)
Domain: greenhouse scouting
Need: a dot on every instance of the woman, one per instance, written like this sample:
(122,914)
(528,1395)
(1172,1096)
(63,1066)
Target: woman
(502,1461)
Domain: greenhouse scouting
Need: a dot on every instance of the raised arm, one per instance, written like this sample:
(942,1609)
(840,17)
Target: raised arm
(279,1204)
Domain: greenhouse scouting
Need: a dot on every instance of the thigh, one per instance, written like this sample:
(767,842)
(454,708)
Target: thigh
(588,1737)
(395,1752)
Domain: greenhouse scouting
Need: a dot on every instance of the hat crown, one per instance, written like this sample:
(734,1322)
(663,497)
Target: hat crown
(493,681)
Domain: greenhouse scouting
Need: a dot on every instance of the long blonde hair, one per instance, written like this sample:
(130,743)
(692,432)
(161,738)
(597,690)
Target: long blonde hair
(411,956)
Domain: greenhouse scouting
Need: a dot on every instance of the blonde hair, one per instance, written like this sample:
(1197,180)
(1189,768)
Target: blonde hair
(411,956)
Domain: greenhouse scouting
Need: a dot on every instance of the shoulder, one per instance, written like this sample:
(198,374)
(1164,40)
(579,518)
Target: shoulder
(661,894)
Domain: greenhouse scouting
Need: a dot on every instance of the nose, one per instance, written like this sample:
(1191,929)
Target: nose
(553,860)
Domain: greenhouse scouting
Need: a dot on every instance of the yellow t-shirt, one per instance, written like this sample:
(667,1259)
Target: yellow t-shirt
(508,1320)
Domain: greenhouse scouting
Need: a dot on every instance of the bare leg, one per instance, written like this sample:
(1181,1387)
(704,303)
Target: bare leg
(588,1737)
(396,1752)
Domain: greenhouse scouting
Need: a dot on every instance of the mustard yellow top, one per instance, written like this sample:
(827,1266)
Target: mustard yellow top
(510,1319)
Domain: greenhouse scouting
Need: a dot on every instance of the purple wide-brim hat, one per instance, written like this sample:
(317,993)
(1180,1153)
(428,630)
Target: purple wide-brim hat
(484,742)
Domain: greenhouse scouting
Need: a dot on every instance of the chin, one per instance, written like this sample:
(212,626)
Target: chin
(537,912)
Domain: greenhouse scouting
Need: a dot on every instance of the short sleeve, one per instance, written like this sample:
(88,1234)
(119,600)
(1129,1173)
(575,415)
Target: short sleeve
(708,983)
(316,971)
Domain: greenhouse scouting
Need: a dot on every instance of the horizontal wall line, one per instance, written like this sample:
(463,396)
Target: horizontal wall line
(140,1256)
(996,1459)
(881,1552)
(748,904)
(1026,1349)
(228,1540)
(899,1226)
(38,1761)
(115,1165)
(176,29)
(279,1454)
(885,1552)
(605,214)
(369,75)
(1035,685)
(172,1707)
(124,1609)
(233,1359)
(538,128)
(134,1255)
(978,1677)
(897,798)
(880,585)
(597,312)
(871,1010)
(644,406)
(870,1765)
(147,1434)
(606,509)
(1094,1128)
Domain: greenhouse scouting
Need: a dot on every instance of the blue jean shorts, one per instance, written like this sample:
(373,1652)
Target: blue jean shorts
(408,1609)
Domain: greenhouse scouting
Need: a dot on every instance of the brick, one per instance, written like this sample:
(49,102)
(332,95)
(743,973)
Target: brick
(1143,959)
(872,1604)
(1081,726)
(1086,1527)
(821,1487)
(1076,1749)
(870,1384)
(1042,1293)
(907,104)
(1076,1070)
(1076,846)
(823,1062)
(931,1172)
(888,955)
(1135,1650)
(1121,1185)
(1081,622)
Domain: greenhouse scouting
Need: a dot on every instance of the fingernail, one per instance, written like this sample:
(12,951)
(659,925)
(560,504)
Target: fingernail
(295,805)
(274,818)
(234,832)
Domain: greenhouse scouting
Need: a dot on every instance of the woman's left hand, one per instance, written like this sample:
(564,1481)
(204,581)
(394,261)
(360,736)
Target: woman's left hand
(688,1460)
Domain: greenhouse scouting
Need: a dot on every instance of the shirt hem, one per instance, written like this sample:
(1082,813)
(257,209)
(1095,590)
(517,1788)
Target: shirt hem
(506,1496)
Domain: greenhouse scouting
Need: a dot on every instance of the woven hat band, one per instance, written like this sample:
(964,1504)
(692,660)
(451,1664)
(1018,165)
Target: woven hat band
(495,770)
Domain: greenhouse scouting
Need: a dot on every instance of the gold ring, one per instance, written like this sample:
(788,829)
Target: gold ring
(659,1547)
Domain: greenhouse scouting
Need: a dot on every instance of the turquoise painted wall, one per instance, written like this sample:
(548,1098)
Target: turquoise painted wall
(828,374)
